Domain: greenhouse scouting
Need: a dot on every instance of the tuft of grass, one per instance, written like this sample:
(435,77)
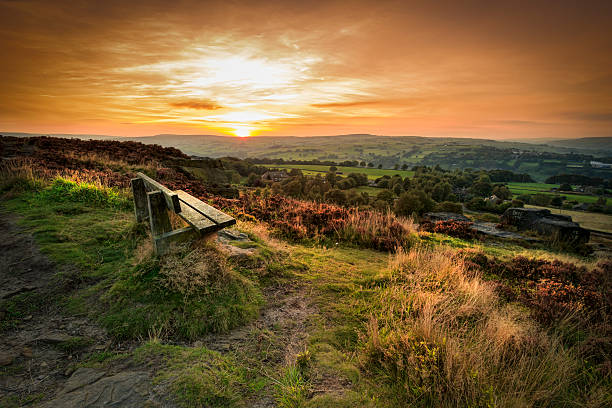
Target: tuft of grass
(186,294)
(16,308)
(64,190)
(74,344)
(291,389)
(198,377)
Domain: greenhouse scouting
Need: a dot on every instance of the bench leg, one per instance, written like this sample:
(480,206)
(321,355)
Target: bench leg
(158,215)
(162,242)
(141,208)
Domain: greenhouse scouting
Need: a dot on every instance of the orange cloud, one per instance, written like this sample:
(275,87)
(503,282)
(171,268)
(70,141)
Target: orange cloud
(473,68)
(201,105)
(344,104)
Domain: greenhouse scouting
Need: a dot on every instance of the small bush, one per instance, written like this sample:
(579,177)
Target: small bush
(449,206)
(458,229)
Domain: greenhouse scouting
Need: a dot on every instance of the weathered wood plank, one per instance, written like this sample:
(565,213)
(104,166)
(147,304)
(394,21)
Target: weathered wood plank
(158,214)
(220,218)
(162,242)
(141,208)
(202,224)
(171,198)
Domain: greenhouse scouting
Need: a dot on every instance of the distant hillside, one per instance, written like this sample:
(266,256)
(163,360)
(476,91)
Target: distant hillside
(538,160)
(591,143)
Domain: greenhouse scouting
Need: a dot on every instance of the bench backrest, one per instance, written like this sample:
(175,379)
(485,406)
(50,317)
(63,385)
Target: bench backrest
(172,199)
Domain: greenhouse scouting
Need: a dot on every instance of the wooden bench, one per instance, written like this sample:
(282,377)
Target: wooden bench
(153,200)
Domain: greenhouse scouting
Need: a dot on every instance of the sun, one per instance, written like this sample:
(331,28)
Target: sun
(242,132)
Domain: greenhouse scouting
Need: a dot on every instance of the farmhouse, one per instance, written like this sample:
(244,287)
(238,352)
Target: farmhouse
(274,175)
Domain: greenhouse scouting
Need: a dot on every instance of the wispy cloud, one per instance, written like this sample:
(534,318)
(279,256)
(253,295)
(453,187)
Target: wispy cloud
(199,105)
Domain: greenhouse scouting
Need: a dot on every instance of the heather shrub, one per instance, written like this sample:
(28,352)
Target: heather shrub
(458,229)
(299,220)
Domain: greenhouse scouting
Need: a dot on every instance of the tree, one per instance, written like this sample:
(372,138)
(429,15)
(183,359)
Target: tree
(331,178)
(565,187)
(556,201)
(293,188)
(370,164)
(441,191)
(380,166)
(404,166)
(333,169)
(482,188)
(386,196)
(395,166)
(502,192)
(413,202)
(254,180)
(336,196)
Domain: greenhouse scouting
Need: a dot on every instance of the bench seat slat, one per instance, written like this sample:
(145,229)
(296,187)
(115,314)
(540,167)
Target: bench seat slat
(198,221)
(221,219)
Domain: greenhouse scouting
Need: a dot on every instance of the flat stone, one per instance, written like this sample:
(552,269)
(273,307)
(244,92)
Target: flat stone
(81,377)
(130,389)
(231,235)
(53,338)
(490,229)
(446,216)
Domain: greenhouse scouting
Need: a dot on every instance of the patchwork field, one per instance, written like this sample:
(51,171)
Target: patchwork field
(542,188)
(372,173)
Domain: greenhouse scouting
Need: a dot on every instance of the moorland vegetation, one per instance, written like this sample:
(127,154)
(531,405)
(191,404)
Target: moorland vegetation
(380,312)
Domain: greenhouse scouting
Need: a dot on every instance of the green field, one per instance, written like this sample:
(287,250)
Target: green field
(594,221)
(373,174)
(542,188)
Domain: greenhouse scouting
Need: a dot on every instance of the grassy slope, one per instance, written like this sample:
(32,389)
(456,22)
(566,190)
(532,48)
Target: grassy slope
(130,297)
(348,286)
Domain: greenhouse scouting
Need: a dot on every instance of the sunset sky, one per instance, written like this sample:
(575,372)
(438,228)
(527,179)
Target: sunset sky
(494,69)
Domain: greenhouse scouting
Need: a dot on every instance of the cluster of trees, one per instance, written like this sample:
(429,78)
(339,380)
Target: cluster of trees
(431,189)
(577,179)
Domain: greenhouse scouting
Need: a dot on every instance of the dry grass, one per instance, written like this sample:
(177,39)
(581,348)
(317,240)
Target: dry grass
(262,232)
(29,170)
(103,159)
(383,230)
(203,265)
(443,337)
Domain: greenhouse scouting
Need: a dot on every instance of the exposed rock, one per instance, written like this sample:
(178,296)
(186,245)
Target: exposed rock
(226,235)
(446,216)
(490,228)
(89,388)
(81,377)
(485,228)
(555,226)
(53,338)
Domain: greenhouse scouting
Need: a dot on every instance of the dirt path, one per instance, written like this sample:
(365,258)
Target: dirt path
(39,346)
